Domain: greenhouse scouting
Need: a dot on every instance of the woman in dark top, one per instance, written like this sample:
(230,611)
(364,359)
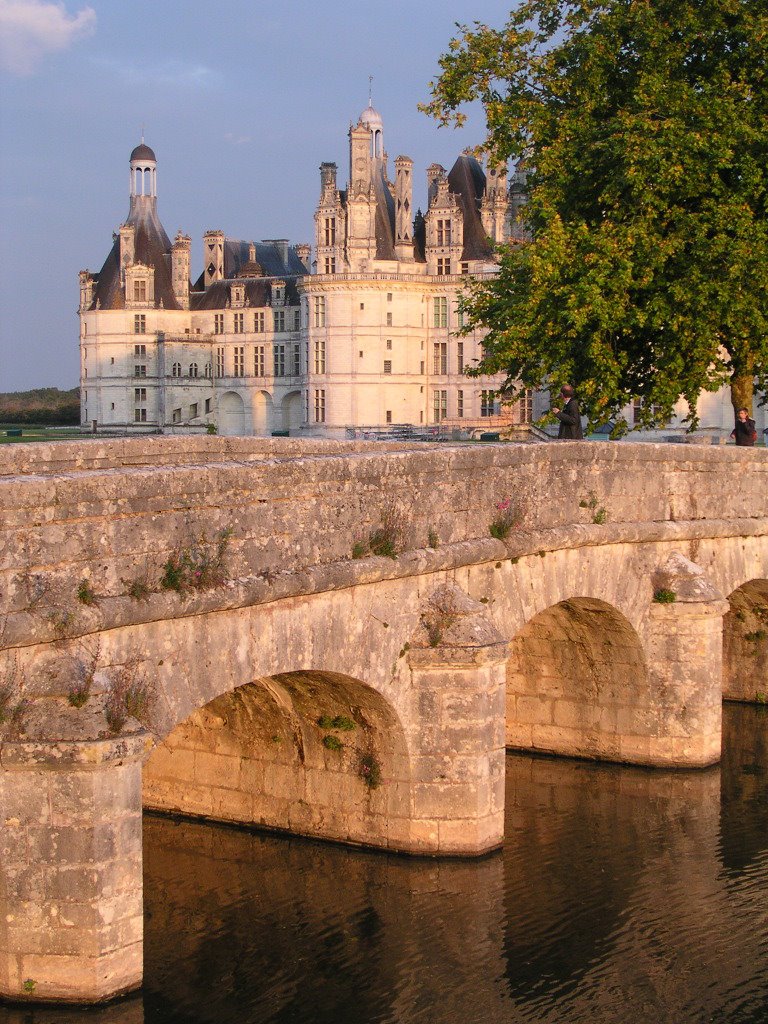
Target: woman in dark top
(744,432)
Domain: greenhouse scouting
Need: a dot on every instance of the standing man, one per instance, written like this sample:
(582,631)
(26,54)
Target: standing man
(569,415)
(744,432)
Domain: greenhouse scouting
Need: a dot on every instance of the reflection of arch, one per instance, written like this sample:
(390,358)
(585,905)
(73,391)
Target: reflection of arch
(745,642)
(291,410)
(577,683)
(291,752)
(262,412)
(231,414)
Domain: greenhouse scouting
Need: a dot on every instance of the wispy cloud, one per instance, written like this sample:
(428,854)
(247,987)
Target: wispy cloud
(30,29)
(235,139)
(169,72)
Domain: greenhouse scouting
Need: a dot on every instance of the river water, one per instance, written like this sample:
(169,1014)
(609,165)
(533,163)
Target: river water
(621,895)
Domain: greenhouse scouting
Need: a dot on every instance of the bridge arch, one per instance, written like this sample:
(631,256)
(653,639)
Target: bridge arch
(313,753)
(745,643)
(577,683)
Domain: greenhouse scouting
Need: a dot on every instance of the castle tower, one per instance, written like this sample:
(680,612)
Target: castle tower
(143,184)
(213,254)
(403,204)
(180,253)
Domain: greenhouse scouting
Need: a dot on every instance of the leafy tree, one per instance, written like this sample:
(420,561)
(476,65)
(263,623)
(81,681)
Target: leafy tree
(643,125)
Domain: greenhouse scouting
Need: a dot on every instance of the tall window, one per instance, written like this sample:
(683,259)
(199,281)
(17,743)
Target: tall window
(387,366)
(219,362)
(319,311)
(218,323)
(278,321)
(525,406)
(140,324)
(139,415)
(239,326)
(389,319)
(319,357)
(139,291)
(258,322)
(440,359)
(140,351)
(330,231)
(487,403)
(139,395)
(176,370)
(279,360)
(439,405)
(208,370)
(330,264)
(296,361)
(193,369)
(443,265)
(440,312)
(443,232)
(239,360)
(258,361)
(297,319)
(460,404)
(460,356)
(319,405)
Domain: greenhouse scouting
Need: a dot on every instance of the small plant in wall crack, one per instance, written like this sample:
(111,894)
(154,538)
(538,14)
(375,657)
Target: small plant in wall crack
(129,696)
(201,566)
(340,722)
(369,769)
(80,691)
(509,515)
(331,742)
(599,512)
(437,623)
(664,596)
(85,593)
(433,541)
(29,985)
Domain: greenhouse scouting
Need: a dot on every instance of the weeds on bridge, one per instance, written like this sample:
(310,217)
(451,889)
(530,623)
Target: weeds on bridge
(85,593)
(599,512)
(129,696)
(201,566)
(664,596)
(509,514)
(80,690)
(388,539)
(369,769)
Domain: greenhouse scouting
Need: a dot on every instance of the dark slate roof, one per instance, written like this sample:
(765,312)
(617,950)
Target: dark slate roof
(385,215)
(152,247)
(258,292)
(268,256)
(142,152)
(466,180)
(419,238)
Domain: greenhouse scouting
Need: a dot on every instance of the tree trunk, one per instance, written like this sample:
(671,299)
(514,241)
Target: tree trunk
(742,390)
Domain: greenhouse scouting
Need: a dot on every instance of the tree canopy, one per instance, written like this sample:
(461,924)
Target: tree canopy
(643,127)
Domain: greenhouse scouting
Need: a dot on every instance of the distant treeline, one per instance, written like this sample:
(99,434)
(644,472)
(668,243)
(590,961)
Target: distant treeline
(43,405)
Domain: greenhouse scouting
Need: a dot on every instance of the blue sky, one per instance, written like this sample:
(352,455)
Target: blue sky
(241,102)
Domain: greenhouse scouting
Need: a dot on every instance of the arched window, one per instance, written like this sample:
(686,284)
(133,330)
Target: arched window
(207,371)
(176,370)
(193,369)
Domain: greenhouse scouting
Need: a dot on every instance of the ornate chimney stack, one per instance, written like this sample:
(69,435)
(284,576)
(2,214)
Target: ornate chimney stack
(180,253)
(213,254)
(403,204)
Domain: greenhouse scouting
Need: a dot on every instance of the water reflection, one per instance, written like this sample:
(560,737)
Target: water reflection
(620,895)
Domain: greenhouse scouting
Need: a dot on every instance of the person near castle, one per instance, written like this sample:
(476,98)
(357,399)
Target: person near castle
(569,415)
(744,432)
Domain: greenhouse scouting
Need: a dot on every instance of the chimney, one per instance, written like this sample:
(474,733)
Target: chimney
(302,251)
(180,251)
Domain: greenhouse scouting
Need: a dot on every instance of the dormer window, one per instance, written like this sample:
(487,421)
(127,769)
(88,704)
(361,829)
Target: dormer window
(443,232)
(139,291)
(238,295)
(278,293)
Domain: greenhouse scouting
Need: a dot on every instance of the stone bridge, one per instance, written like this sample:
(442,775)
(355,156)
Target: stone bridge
(202,626)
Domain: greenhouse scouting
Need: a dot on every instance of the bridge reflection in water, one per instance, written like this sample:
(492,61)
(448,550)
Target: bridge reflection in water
(621,894)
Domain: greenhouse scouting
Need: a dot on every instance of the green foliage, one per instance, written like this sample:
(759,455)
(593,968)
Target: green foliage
(369,769)
(761,698)
(211,428)
(138,588)
(644,134)
(509,514)
(331,742)
(29,985)
(41,406)
(129,695)
(359,549)
(85,593)
(337,722)
(664,596)
(199,567)
(433,541)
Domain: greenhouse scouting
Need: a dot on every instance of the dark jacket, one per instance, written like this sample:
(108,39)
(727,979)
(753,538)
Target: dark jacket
(745,433)
(570,421)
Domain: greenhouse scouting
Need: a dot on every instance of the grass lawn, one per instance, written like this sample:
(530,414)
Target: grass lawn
(29,433)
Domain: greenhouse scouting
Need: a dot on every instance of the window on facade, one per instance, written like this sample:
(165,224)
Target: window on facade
(465,268)
(139,291)
(140,324)
(525,406)
(112,406)
(388,415)
(140,370)
(440,311)
(330,231)
(439,405)
(258,322)
(193,411)
(389,319)
(193,369)
(320,357)
(239,324)
(460,356)
(319,311)
(297,319)
(139,415)
(487,403)
(259,367)
(387,366)
(279,360)
(176,416)
(208,370)
(139,395)
(389,296)
(218,323)
(219,362)
(460,404)
(389,344)
(296,361)
(319,405)
(278,321)
(278,293)
(239,361)
(443,265)
(207,405)
(637,408)
(440,359)
(140,351)
(421,367)
(443,232)
(176,370)
(330,264)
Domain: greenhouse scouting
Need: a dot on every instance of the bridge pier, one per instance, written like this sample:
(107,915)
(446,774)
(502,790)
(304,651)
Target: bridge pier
(685,663)
(457,729)
(71,906)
